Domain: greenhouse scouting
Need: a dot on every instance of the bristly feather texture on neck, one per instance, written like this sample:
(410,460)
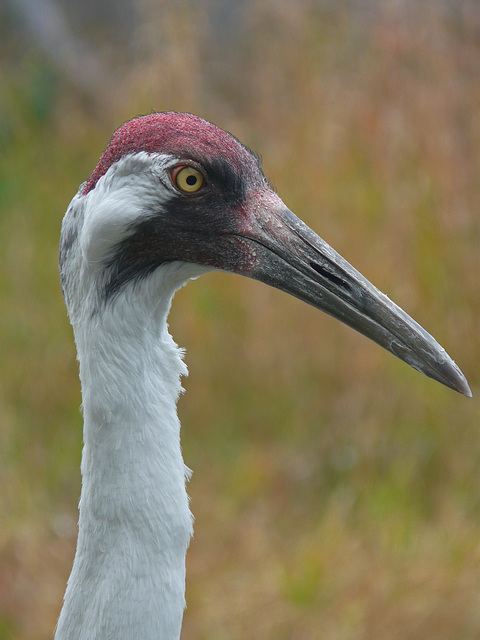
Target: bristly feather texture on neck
(128,578)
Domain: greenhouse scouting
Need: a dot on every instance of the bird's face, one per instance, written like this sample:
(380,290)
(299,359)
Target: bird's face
(173,188)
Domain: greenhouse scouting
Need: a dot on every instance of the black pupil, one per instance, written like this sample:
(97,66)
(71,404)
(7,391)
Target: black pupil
(191,180)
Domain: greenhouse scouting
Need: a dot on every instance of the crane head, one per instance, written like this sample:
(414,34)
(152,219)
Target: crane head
(171,187)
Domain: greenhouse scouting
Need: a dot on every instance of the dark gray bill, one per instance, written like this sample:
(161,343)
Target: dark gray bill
(286,254)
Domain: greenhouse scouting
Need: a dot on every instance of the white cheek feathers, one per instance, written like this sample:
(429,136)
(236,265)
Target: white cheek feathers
(133,187)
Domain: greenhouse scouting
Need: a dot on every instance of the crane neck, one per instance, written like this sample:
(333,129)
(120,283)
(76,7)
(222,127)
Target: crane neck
(128,577)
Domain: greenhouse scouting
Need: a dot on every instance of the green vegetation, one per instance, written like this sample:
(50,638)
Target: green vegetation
(336,492)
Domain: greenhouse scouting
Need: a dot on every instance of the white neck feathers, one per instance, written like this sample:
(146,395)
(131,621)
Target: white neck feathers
(128,577)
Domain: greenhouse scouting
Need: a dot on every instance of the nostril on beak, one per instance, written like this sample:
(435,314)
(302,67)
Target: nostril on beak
(331,277)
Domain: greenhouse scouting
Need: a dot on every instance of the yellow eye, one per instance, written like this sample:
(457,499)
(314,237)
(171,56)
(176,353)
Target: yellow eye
(187,179)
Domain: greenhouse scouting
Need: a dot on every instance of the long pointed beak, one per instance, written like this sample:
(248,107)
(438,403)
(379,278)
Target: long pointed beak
(284,253)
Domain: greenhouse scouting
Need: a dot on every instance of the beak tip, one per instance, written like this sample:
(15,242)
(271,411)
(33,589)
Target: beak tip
(457,381)
(464,388)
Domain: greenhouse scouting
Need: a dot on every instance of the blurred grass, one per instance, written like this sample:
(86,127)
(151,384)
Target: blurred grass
(335,490)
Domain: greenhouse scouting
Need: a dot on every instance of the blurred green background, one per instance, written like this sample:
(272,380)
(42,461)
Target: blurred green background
(336,491)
